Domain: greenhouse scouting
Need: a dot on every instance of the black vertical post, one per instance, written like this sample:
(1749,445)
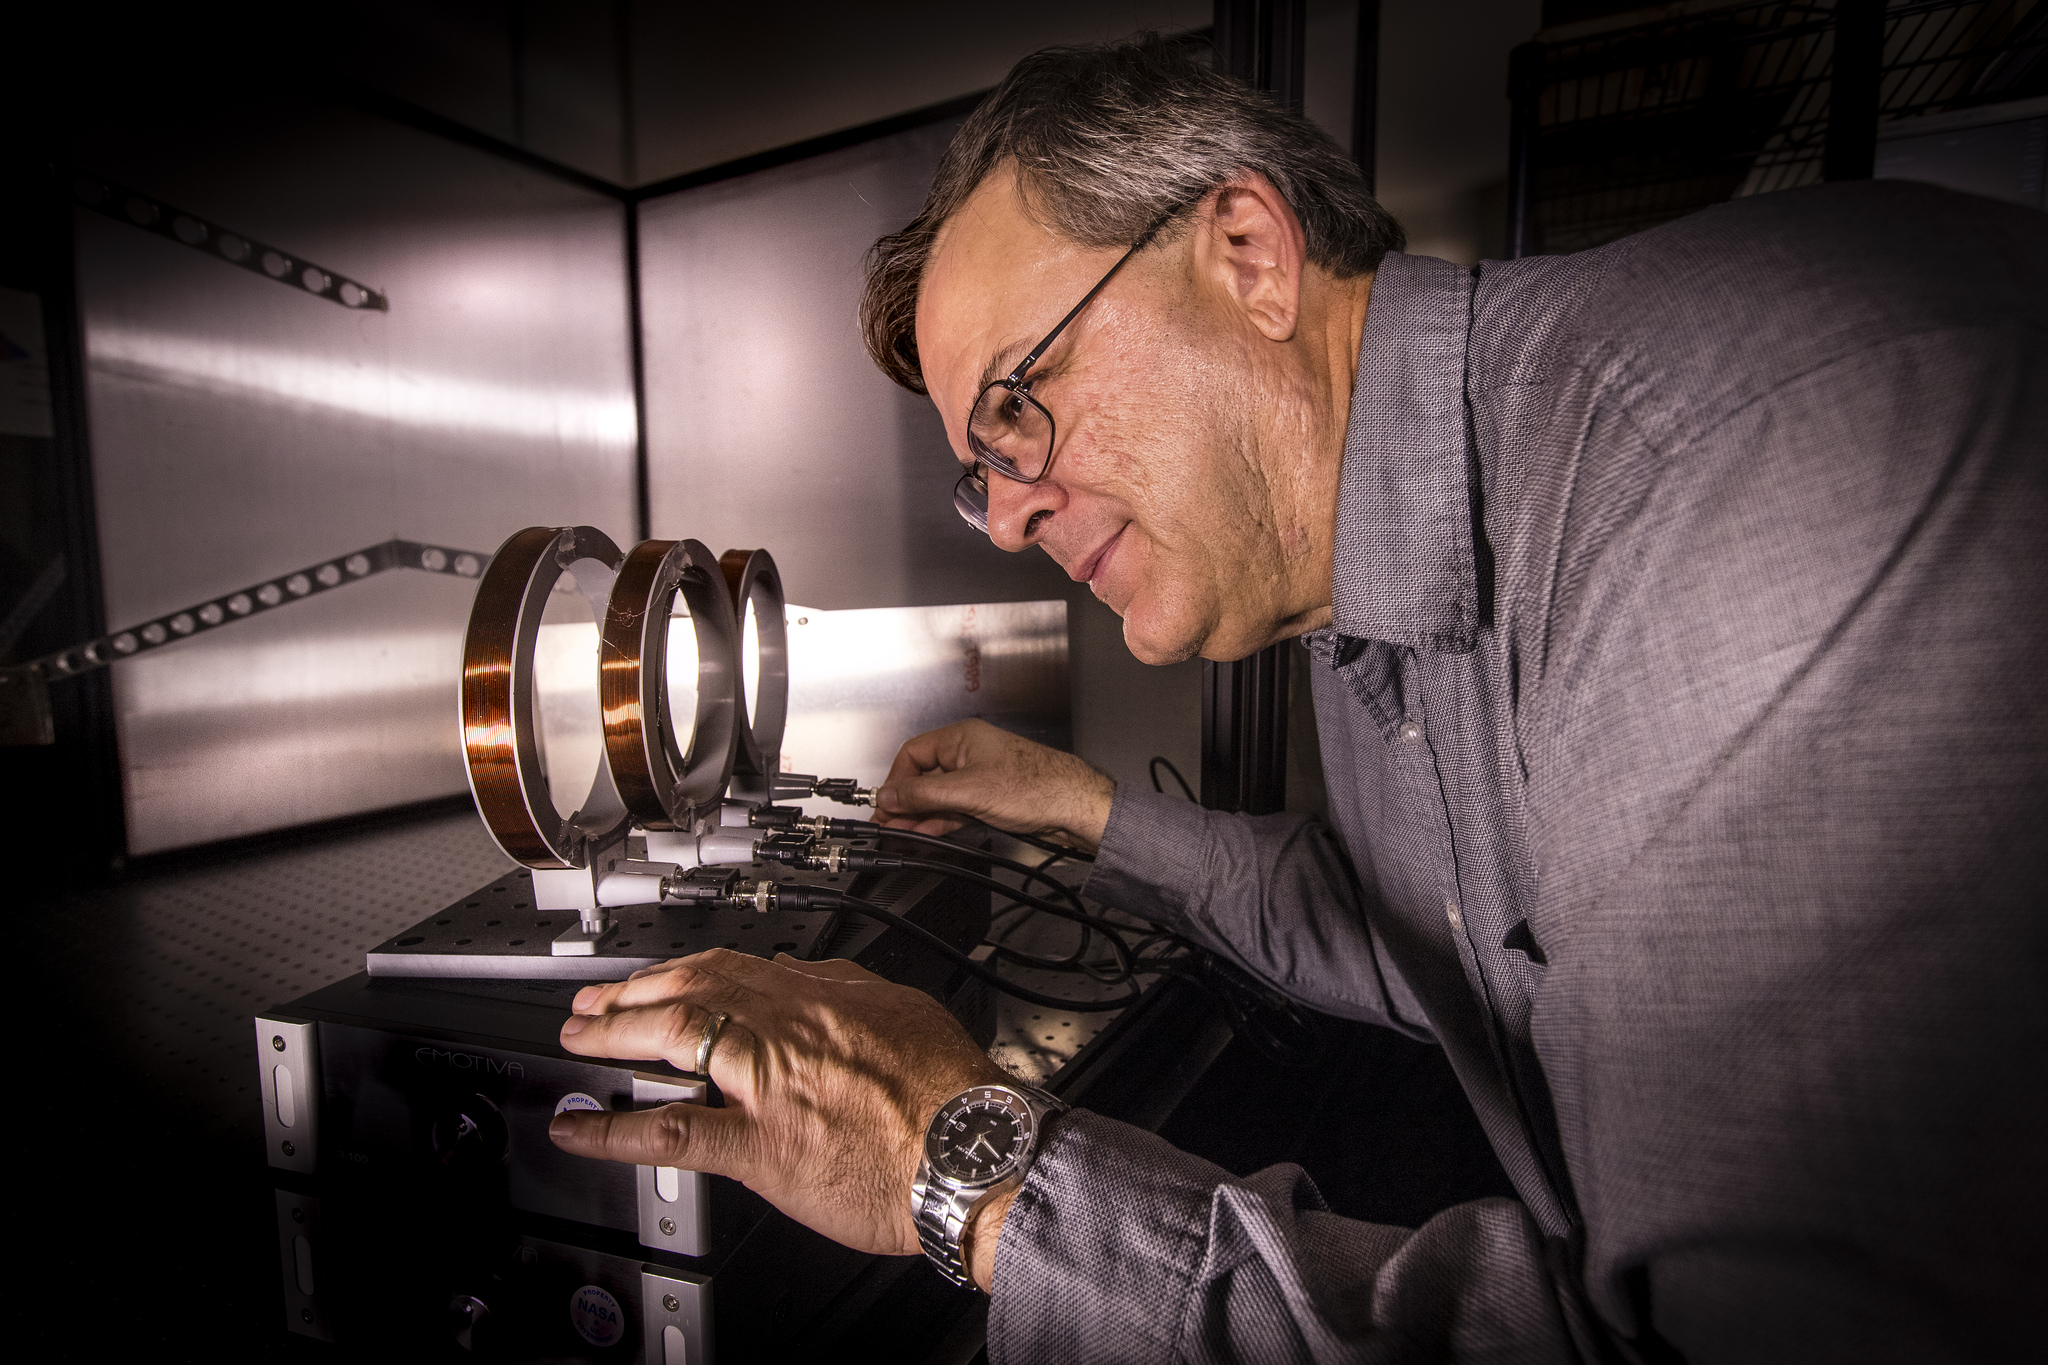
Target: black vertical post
(1365,94)
(1244,702)
(1855,81)
(73,784)
(1525,93)
(643,493)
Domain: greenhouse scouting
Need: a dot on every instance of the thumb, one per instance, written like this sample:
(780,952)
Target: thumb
(962,792)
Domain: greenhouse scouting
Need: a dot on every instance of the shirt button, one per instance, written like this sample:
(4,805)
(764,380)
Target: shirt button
(1451,914)
(1411,732)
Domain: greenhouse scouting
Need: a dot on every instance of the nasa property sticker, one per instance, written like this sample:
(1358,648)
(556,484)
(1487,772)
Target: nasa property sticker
(576,1100)
(596,1316)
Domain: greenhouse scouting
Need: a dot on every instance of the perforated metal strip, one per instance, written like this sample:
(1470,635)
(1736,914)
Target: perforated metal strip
(254,600)
(223,244)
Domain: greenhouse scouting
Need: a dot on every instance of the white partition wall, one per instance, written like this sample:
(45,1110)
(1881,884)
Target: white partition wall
(242,428)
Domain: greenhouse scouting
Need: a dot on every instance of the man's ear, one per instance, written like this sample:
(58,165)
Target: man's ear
(1248,241)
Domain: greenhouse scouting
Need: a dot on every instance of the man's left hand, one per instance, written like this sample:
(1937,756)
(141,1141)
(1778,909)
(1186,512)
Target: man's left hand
(830,1076)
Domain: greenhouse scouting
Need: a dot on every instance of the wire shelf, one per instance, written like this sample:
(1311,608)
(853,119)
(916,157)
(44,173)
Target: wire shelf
(1634,127)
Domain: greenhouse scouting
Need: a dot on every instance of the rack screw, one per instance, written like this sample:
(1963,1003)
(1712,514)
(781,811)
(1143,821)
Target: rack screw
(668,1225)
(305,1315)
(277,1042)
(289,1150)
(671,1302)
(298,1215)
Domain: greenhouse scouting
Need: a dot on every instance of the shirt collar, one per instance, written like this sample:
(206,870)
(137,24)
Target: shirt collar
(1403,555)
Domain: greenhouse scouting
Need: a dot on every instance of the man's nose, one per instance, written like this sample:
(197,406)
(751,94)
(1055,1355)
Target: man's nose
(1014,508)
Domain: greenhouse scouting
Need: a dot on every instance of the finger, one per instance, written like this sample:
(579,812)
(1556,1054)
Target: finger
(944,747)
(974,791)
(692,977)
(934,825)
(668,1032)
(693,1137)
(831,969)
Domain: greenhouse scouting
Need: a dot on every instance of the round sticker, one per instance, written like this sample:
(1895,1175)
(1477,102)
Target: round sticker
(596,1316)
(576,1100)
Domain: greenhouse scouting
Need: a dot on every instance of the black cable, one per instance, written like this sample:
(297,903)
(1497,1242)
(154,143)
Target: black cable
(1007,864)
(1153,767)
(810,897)
(1042,845)
(1106,928)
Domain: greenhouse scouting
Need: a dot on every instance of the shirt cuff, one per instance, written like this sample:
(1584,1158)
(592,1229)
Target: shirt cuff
(1067,1276)
(1150,861)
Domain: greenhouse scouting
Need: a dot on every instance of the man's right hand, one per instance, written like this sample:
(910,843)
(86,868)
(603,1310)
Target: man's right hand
(973,769)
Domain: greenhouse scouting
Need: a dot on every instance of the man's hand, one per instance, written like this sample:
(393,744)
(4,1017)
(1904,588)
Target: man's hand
(830,1076)
(976,770)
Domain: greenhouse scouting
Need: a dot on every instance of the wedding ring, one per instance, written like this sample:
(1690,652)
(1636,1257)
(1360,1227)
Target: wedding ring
(712,1028)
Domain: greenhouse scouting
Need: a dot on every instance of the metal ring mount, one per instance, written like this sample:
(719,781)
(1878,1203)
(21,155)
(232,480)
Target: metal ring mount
(499,696)
(660,785)
(752,576)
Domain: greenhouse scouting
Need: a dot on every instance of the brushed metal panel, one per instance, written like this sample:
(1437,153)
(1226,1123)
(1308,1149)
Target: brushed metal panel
(239,428)
(861,682)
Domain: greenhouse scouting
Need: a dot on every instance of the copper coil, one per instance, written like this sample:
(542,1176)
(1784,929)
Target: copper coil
(751,575)
(663,787)
(499,738)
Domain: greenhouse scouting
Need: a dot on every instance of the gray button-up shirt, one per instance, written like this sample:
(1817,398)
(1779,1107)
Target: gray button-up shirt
(1685,719)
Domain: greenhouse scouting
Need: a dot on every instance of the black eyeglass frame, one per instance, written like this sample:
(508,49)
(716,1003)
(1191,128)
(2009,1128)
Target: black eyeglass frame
(1015,382)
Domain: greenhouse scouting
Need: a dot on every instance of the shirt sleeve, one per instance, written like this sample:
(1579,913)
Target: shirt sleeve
(1274,894)
(1121,1249)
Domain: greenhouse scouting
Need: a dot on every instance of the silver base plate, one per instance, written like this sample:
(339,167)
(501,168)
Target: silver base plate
(496,932)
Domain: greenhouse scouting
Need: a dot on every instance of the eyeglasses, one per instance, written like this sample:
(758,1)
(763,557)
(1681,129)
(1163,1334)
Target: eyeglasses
(1008,430)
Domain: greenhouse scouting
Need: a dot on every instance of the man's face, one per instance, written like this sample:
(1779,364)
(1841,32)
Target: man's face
(1155,497)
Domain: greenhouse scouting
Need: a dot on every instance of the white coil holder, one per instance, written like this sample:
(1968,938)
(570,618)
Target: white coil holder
(662,786)
(753,577)
(500,696)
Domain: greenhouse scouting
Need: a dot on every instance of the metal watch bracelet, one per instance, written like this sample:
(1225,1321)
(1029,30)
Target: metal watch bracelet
(942,1207)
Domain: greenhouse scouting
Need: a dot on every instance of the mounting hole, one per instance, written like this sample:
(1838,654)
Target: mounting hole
(444,921)
(518,943)
(233,247)
(492,923)
(623,943)
(411,939)
(646,924)
(352,294)
(275,265)
(461,942)
(783,948)
(190,230)
(142,211)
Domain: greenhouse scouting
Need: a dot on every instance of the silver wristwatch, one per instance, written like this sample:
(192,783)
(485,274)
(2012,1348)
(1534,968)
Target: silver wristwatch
(980,1142)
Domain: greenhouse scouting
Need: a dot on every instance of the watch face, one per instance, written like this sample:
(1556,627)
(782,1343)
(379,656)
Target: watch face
(979,1137)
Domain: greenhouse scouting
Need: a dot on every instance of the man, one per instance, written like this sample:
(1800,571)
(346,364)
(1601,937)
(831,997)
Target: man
(1676,609)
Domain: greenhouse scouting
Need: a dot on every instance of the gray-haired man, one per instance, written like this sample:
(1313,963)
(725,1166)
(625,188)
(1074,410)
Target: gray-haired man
(1680,682)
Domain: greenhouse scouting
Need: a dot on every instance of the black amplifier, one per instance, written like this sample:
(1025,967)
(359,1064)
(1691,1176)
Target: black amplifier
(406,1121)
